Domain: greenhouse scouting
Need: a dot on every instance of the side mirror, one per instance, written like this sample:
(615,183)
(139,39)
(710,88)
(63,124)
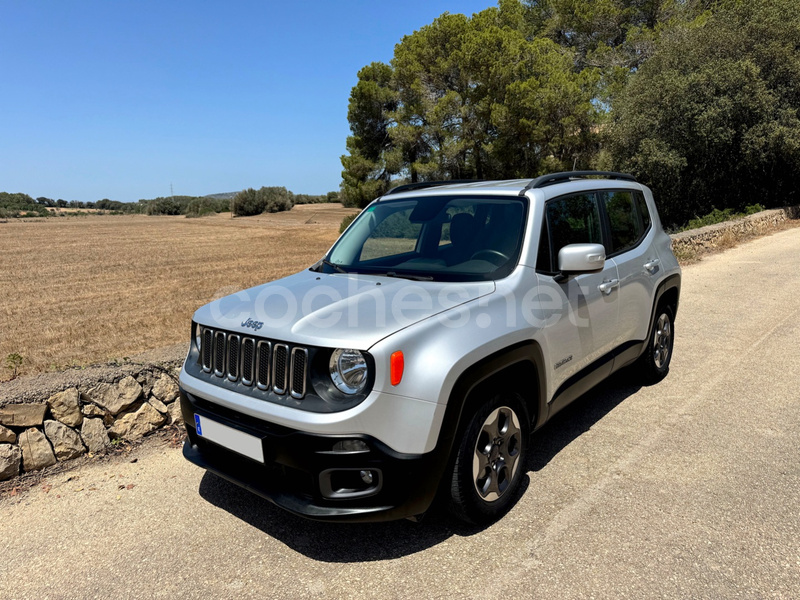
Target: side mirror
(575,259)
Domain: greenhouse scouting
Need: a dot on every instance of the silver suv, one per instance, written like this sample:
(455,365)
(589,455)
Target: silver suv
(449,322)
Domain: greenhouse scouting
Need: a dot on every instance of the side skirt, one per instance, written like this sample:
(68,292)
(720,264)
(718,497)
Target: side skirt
(591,375)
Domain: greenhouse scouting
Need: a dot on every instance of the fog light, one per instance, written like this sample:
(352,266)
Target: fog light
(350,446)
(350,483)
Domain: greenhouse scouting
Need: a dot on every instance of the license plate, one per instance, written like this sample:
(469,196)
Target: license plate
(230,438)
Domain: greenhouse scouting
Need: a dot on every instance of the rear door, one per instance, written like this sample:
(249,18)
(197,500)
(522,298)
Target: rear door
(629,243)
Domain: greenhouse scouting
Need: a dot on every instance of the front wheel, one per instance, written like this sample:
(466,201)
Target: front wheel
(658,354)
(491,460)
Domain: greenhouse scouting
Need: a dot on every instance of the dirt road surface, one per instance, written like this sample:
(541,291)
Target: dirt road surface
(690,488)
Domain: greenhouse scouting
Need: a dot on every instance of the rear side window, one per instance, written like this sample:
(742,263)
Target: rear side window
(627,224)
(622,220)
(569,220)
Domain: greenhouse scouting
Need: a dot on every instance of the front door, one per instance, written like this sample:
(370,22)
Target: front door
(582,313)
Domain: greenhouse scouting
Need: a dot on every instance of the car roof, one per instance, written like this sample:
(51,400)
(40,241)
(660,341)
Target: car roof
(557,183)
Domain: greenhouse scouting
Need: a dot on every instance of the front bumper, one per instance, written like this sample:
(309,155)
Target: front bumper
(303,475)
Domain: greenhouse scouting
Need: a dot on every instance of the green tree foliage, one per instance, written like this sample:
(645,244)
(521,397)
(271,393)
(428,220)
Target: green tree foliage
(164,206)
(613,36)
(200,207)
(276,199)
(469,98)
(346,222)
(698,98)
(711,119)
(309,199)
(20,205)
(246,203)
(267,199)
(372,101)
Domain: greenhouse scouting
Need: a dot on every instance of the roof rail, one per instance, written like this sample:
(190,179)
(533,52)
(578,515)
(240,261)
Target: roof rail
(421,185)
(554,178)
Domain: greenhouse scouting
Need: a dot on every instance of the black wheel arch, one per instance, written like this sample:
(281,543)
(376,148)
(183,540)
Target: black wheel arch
(668,292)
(517,368)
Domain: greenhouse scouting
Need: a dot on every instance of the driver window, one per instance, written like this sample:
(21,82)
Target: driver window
(573,220)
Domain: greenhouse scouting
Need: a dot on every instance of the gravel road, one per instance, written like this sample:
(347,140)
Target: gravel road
(690,488)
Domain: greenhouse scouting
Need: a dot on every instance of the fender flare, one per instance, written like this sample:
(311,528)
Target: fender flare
(673,282)
(462,397)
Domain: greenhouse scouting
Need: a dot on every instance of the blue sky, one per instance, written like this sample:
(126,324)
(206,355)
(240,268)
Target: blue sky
(121,99)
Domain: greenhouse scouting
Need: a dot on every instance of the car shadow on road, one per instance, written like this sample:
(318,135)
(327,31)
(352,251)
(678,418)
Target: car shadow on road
(345,543)
(579,417)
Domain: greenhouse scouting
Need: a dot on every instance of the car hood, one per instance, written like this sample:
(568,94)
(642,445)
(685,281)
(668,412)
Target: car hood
(336,310)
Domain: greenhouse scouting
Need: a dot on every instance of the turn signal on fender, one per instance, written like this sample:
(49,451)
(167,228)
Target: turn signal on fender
(397,364)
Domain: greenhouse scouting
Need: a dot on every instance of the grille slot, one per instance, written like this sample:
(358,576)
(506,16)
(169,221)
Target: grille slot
(233,357)
(264,357)
(207,350)
(299,367)
(248,354)
(280,368)
(219,354)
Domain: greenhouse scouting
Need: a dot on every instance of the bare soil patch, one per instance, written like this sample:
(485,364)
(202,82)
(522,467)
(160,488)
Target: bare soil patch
(76,291)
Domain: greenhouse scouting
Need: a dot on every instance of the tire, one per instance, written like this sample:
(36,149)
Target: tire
(654,364)
(491,460)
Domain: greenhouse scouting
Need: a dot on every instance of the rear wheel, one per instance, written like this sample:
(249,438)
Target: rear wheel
(491,460)
(656,358)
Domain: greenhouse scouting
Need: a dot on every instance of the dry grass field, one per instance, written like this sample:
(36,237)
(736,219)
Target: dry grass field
(79,290)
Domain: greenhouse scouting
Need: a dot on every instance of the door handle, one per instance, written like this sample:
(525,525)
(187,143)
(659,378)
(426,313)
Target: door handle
(651,266)
(608,285)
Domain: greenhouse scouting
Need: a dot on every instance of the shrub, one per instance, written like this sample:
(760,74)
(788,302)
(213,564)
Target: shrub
(267,199)
(720,216)
(346,222)
(276,199)
(161,206)
(200,207)
(246,203)
(13,363)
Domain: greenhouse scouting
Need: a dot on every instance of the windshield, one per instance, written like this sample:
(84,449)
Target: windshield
(446,238)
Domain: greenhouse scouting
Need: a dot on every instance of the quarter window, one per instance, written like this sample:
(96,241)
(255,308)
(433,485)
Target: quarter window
(643,212)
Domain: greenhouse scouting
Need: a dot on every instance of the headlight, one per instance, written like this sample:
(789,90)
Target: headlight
(198,336)
(348,370)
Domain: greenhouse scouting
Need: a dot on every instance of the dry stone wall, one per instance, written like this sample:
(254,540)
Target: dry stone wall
(695,242)
(86,418)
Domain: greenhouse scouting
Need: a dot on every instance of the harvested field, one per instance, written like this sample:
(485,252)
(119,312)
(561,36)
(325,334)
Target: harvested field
(75,291)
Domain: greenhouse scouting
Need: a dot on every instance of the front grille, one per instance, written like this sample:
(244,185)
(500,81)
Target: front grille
(219,354)
(207,350)
(233,357)
(264,358)
(248,354)
(280,367)
(299,360)
(275,367)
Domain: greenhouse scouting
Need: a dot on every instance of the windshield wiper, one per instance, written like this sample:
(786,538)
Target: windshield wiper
(408,276)
(333,265)
(324,261)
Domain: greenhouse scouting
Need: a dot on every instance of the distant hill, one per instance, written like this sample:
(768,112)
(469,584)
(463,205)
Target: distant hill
(224,196)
